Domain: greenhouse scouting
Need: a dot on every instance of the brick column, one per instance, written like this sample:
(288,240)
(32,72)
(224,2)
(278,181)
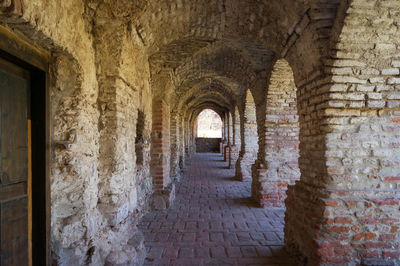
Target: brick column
(247,156)
(222,146)
(249,149)
(279,167)
(175,140)
(226,153)
(269,190)
(233,156)
(345,210)
(160,156)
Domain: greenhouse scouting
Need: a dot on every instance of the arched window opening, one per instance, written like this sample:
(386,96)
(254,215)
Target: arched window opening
(209,124)
(140,140)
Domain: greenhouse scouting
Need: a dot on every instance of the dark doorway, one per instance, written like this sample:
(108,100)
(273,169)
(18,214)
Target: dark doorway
(23,187)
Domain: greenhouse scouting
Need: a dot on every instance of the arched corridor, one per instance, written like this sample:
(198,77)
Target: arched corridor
(99,101)
(214,221)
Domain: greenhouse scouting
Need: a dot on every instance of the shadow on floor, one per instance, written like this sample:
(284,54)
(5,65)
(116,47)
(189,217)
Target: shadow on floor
(214,221)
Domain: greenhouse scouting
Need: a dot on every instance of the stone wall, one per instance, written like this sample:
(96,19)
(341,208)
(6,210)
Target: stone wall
(207,144)
(86,90)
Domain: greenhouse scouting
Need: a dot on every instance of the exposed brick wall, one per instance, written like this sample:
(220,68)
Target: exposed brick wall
(236,126)
(160,150)
(351,191)
(280,166)
(175,143)
(231,133)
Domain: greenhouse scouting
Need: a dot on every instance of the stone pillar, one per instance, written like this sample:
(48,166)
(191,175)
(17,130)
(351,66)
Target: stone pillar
(175,142)
(269,191)
(278,167)
(226,153)
(164,190)
(233,156)
(231,130)
(249,149)
(244,167)
(182,155)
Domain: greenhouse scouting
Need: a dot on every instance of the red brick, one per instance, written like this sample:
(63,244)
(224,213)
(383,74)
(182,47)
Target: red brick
(389,220)
(390,201)
(369,236)
(355,228)
(358,237)
(329,221)
(331,203)
(343,220)
(384,237)
(391,254)
(370,253)
(378,245)
(326,252)
(392,178)
(339,229)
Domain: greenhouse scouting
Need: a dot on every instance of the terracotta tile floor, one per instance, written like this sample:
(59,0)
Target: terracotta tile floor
(214,222)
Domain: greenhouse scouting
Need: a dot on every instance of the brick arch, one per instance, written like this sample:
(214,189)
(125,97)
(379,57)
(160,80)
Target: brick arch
(200,108)
(218,60)
(191,115)
(278,166)
(207,98)
(312,20)
(204,87)
(190,119)
(207,106)
(347,193)
(180,113)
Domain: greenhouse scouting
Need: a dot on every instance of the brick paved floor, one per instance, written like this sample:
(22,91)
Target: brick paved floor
(214,222)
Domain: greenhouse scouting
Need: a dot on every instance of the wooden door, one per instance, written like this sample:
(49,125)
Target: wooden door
(14,165)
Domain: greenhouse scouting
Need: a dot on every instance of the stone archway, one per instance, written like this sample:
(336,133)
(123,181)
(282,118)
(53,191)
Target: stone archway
(270,181)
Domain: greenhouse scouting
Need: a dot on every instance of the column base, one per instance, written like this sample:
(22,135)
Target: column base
(164,199)
(268,192)
(243,168)
(131,253)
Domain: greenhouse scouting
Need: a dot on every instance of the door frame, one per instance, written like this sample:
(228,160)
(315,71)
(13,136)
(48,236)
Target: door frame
(17,50)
